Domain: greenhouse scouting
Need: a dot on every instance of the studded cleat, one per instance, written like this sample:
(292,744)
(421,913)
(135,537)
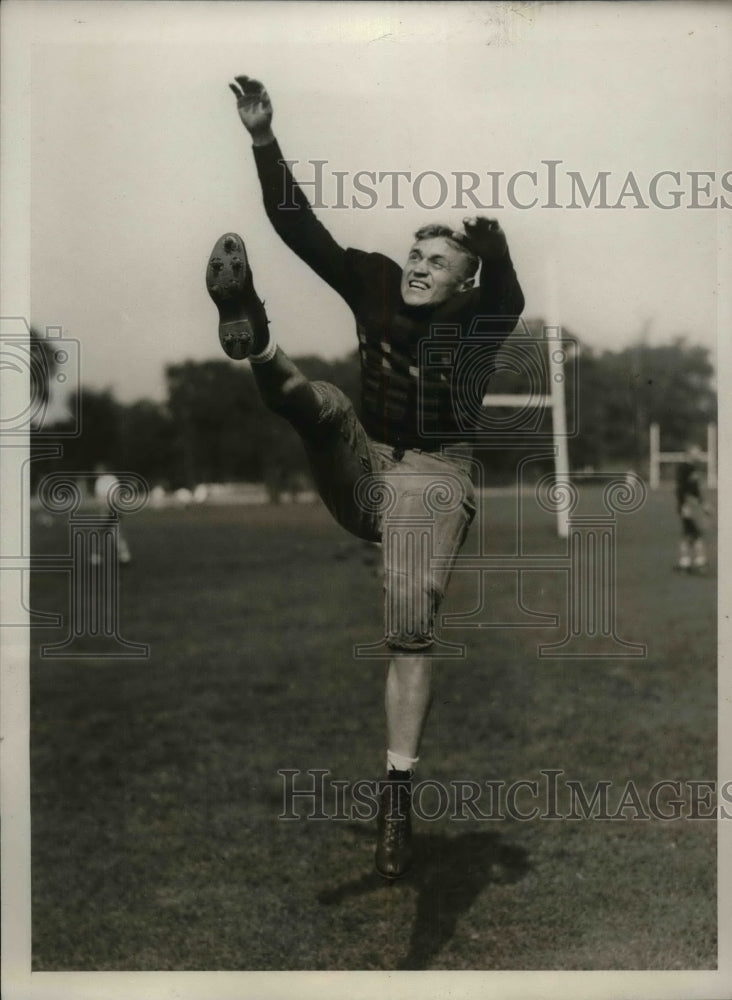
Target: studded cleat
(242,319)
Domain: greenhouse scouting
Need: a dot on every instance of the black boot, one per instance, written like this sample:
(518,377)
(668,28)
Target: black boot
(394,826)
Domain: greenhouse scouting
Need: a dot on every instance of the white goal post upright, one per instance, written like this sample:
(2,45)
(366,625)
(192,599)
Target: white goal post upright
(657,457)
(557,357)
(556,398)
(559,419)
(711,456)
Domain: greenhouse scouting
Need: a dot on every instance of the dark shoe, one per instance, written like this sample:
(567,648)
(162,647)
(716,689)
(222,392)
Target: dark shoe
(242,319)
(394,829)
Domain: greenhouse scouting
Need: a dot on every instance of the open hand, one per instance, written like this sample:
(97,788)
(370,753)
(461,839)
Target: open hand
(486,237)
(255,107)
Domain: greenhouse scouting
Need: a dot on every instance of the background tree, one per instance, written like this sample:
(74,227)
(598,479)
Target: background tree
(42,367)
(213,426)
(147,443)
(98,441)
(623,392)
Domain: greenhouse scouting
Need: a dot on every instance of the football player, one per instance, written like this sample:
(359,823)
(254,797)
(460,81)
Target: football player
(411,439)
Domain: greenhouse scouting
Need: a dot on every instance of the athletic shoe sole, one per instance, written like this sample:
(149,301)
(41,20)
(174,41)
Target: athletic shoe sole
(229,283)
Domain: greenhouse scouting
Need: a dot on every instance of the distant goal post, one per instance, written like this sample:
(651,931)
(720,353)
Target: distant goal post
(659,458)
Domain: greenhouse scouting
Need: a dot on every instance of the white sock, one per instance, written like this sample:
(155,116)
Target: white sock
(398,762)
(700,554)
(267,354)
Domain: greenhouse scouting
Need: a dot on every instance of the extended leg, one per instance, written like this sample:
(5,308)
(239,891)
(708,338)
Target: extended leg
(244,333)
(336,444)
(287,392)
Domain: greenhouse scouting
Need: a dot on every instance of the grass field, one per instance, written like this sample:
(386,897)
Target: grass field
(155,792)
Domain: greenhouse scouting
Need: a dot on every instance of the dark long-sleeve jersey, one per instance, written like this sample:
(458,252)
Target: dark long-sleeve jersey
(687,484)
(415,393)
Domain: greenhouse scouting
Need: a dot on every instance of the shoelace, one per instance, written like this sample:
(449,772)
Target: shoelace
(395,832)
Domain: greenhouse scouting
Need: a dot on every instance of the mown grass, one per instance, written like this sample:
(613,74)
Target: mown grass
(155,794)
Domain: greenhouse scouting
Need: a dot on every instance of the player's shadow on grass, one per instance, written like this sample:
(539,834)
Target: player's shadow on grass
(448,874)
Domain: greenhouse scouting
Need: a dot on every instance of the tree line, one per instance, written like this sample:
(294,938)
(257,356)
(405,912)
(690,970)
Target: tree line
(212,426)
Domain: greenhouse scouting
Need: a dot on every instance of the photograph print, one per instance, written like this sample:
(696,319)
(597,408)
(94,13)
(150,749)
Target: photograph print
(363,521)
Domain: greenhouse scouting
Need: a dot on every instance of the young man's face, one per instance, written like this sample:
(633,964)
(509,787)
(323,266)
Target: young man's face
(434,272)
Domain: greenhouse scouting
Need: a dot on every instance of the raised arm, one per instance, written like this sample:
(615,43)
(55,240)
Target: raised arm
(284,201)
(500,294)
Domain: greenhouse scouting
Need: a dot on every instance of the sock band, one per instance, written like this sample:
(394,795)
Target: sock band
(267,354)
(398,762)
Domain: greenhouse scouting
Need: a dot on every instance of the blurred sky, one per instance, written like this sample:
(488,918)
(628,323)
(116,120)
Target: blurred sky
(139,161)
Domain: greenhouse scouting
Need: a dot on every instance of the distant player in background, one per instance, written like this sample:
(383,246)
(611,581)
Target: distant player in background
(690,506)
(104,485)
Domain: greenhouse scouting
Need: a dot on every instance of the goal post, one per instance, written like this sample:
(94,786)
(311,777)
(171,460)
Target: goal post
(658,457)
(553,400)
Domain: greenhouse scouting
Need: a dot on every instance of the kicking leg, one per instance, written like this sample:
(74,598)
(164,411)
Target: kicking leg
(336,444)
(244,333)
(288,393)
